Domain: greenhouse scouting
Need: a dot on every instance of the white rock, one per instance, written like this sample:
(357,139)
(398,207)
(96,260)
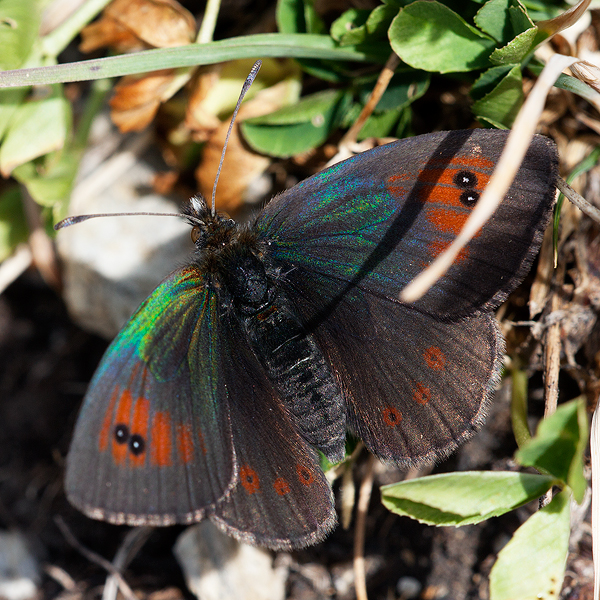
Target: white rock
(19,569)
(217,567)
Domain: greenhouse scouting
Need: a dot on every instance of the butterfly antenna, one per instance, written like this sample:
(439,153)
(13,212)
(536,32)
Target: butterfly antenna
(81,218)
(249,80)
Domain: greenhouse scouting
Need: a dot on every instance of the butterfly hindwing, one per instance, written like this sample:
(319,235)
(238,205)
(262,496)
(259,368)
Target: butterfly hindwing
(378,219)
(415,386)
(153,440)
(282,499)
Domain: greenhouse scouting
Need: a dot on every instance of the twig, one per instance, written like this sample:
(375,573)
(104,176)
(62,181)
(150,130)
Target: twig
(95,558)
(362,507)
(380,86)
(131,545)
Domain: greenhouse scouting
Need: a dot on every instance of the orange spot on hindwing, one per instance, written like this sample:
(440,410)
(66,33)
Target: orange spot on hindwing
(421,394)
(249,479)
(434,358)
(281,486)
(305,475)
(391,416)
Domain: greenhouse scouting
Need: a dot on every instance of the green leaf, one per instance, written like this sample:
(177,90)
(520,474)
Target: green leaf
(19,26)
(193,55)
(50,187)
(503,103)
(10,100)
(379,125)
(518,407)
(13,226)
(356,26)
(350,24)
(430,36)
(532,565)
(37,128)
(488,80)
(297,128)
(403,89)
(558,446)
(516,50)
(519,18)
(298,16)
(463,498)
(493,19)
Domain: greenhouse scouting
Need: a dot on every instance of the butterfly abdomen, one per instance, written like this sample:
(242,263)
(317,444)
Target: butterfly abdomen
(301,374)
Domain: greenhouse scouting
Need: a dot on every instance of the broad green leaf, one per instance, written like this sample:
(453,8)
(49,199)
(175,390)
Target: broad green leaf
(19,26)
(493,18)
(430,36)
(10,100)
(519,18)
(13,226)
(37,128)
(463,498)
(298,16)
(296,128)
(502,104)
(488,80)
(380,125)
(361,26)
(350,23)
(542,9)
(516,50)
(403,89)
(52,186)
(558,446)
(532,565)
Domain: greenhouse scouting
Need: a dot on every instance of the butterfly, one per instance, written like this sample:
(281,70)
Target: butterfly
(280,336)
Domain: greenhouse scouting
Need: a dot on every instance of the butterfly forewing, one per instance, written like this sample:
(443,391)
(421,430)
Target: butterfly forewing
(378,219)
(153,440)
(283,499)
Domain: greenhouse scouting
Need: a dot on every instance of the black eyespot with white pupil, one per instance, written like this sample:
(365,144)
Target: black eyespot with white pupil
(469,198)
(137,445)
(135,442)
(467,180)
(121,434)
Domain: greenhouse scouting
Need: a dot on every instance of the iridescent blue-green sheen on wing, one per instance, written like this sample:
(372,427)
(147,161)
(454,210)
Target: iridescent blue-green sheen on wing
(378,219)
(162,378)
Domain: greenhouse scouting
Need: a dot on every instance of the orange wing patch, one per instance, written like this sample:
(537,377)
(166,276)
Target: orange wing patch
(161,440)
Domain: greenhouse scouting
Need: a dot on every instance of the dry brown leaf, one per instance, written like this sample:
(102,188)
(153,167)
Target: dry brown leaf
(107,32)
(136,99)
(200,122)
(128,25)
(159,23)
(241,165)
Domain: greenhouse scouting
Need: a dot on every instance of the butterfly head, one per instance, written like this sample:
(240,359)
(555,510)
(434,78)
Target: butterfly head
(208,230)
